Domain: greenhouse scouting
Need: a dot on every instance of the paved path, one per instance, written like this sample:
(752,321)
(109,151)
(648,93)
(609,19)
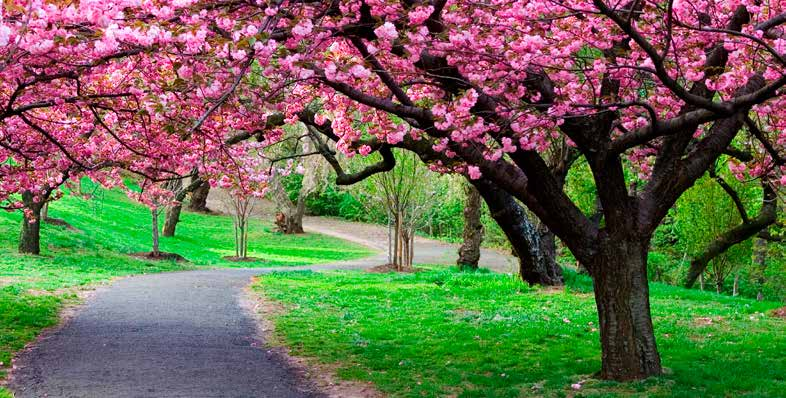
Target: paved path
(180,334)
(185,334)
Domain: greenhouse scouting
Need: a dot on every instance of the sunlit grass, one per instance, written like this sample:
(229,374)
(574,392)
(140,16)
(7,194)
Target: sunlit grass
(444,333)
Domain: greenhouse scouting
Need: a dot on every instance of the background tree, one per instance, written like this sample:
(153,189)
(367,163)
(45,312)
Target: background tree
(469,251)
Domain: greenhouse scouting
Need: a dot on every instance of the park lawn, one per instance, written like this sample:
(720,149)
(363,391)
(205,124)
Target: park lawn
(445,333)
(33,289)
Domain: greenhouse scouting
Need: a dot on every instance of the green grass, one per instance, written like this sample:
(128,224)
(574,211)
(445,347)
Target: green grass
(34,288)
(441,333)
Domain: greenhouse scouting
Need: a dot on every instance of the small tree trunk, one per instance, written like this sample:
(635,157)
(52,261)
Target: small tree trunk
(759,265)
(469,251)
(156,252)
(30,237)
(199,198)
(627,339)
(736,287)
(171,219)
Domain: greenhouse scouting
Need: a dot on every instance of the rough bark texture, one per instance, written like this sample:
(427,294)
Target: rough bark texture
(199,198)
(171,220)
(30,237)
(535,267)
(622,298)
(469,251)
(290,219)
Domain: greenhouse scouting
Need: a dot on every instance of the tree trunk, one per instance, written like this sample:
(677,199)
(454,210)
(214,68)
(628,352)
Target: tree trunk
(171,220)
(629,351)
(736,287)
(199,198)
(156,252)
(469,252)
(759,265)
(294,216)
(535,267)
(30,237)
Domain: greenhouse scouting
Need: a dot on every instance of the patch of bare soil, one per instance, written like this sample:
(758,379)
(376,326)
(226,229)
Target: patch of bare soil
(61,223)
(388,268)
(706,321)
(323,376)
(242,259)
(160,256)
(779,313)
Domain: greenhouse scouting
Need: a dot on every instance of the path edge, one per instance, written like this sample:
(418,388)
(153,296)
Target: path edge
(320,375)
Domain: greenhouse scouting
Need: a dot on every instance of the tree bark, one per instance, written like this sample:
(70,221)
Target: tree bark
(759,265)
(622,298)
(171,219)
(30,237)
(199,198)
(294,217)
(469,252)
(535,267)
(156,252)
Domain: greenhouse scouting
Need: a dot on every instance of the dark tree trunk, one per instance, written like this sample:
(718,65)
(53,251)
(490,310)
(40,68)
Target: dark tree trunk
(30,237)
(199,198)
(548,245)
(469,252)
(535,267)
(172,218)
(622,298)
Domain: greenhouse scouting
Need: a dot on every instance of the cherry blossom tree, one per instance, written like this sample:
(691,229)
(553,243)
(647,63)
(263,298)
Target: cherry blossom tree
(485,88)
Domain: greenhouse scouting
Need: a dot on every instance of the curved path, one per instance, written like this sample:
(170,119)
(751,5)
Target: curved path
(182,334)
(185,334)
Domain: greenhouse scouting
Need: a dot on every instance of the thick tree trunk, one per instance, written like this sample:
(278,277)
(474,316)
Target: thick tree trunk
(535,267)
(622,298)
(171,220)
(30,237)
(199,198)
(469,252)
(294,216)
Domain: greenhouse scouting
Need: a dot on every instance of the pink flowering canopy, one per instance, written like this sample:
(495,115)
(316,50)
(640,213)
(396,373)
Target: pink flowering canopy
(158,87)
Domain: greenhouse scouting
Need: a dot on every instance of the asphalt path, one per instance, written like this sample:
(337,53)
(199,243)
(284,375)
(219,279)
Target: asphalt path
(179,334)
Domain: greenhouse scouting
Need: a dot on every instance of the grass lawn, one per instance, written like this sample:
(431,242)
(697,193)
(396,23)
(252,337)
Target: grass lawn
(445,333)
(34,288)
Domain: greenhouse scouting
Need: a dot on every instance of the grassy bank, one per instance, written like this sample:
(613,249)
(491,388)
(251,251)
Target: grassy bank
(443,333)
(34,288)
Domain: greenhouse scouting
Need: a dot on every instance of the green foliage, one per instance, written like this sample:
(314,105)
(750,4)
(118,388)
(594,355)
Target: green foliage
(335,202)
(444,333)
